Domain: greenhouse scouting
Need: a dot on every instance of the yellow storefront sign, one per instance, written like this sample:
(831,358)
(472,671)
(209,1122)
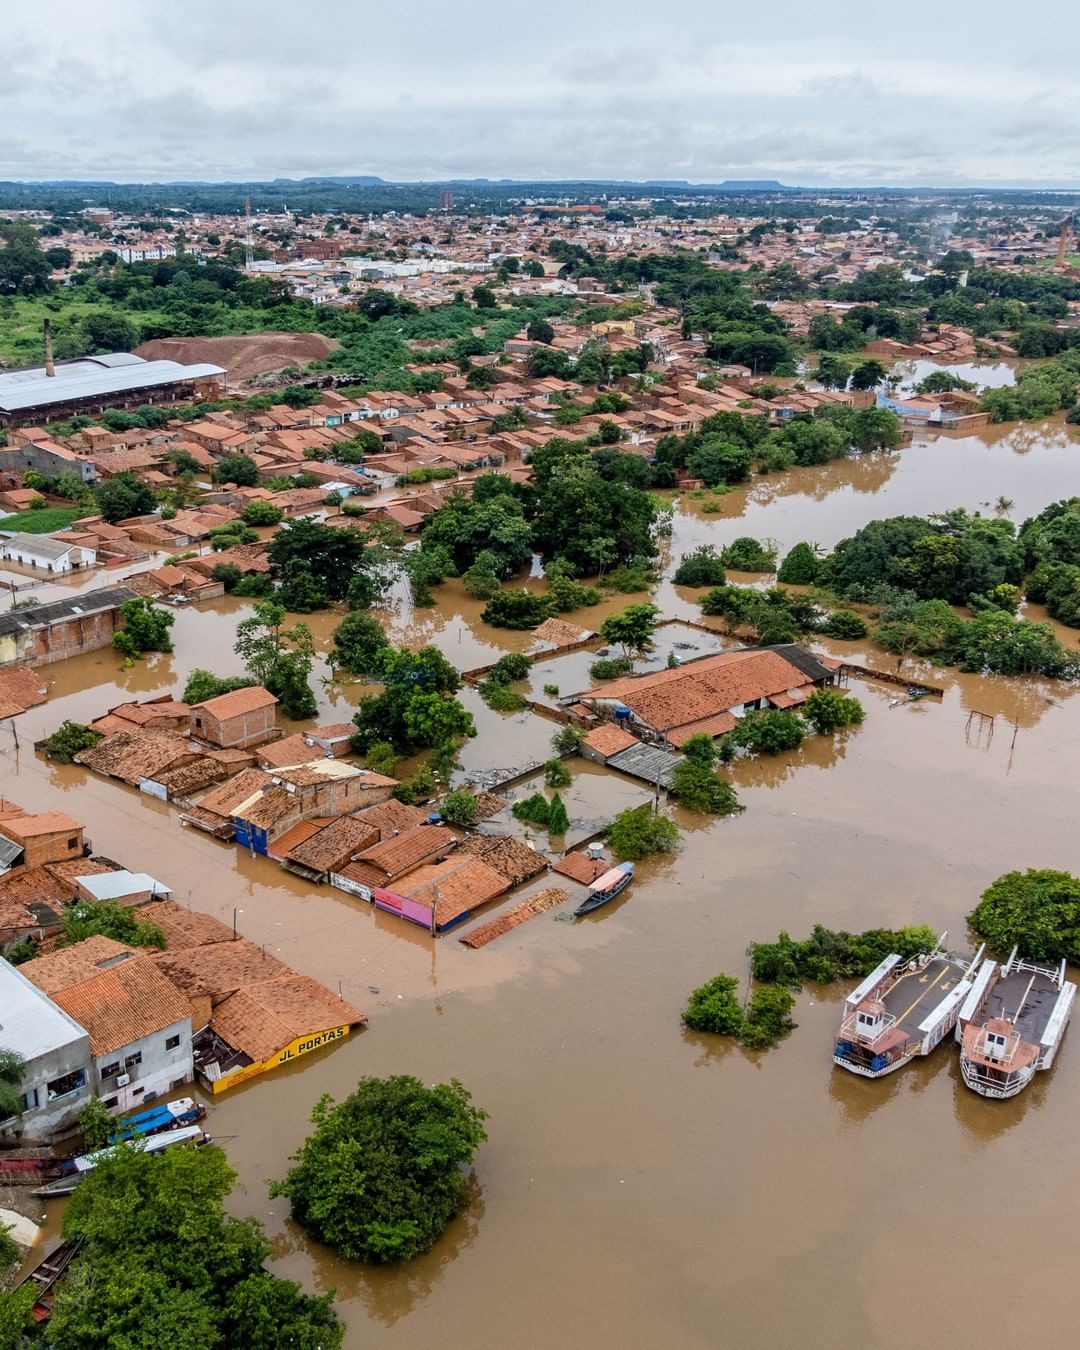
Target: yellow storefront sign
(303,1045)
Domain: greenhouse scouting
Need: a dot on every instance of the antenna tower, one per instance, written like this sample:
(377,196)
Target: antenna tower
(249,256)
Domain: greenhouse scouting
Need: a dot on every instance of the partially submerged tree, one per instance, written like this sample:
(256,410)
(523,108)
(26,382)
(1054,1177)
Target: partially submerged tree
(68,739)
(381,1175)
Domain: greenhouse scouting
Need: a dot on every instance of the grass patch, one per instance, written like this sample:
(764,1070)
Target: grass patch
(44,520)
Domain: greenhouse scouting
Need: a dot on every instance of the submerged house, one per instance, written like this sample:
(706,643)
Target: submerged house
(325,787)
(708,695)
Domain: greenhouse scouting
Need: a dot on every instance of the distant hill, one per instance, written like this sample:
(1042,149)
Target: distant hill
(754,185)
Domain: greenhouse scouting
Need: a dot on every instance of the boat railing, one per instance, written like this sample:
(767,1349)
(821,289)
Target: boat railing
(852,1029)
(1001,1055)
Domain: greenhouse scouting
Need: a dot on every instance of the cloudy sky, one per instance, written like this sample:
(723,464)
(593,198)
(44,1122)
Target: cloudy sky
(831,91)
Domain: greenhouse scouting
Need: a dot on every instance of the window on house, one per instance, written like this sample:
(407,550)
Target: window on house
(177,1083)
(132,1060)
(111,1069)
(110,1102)
(73,843)
(172,1043)
(30,1100)
(137,1092)
(66,1085)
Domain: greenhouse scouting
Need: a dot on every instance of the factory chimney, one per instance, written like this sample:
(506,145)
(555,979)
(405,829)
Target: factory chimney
(50,369)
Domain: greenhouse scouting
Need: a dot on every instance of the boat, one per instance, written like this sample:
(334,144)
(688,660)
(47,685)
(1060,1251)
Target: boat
(1013,1028)
(47,1274)
(904,1008)
(158,1119)
(606,888)
(81,1167)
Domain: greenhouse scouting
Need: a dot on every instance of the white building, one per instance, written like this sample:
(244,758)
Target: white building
(45,552)
(58,1078)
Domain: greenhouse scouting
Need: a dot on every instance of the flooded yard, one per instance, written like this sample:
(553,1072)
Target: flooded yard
(642,1185)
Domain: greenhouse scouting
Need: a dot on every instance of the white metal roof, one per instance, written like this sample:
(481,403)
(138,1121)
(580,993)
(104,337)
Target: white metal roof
(114,885)
(43,545)
(21,389)
(30,1022)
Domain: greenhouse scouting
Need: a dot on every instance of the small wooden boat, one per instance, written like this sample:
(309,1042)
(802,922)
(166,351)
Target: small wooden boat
(82,1166)
(158,1119)
(47,1274)
(606,888)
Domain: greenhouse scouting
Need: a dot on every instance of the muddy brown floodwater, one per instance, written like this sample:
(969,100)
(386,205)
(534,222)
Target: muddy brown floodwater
(644,1186)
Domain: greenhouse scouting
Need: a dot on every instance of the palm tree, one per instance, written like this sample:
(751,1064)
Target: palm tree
(12,1068)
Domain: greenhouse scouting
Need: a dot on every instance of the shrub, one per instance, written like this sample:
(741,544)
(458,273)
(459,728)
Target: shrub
(628,580)
(512,666)
(845,623)
(770,732)
(567,595)
(459,808)
(715,1008)
(500,697)
(382,758)
(204,684)
(703,567)
(1037,911)
(68,739)
(556,774)
(380,1177)
(535,809)
(558,822)
(359,641)
(827,710)
(262,513)
(552,690)
(829,955)
(567,740)
(768,1017)
(88,918)
(638,832)
(749,555)
(611,667)
(695,786)
(517,609)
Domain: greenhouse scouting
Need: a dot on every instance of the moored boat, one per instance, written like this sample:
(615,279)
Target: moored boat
(1015,1028)
(81,1167)
(606,888)
(47,1274)
(158,1119)
(903,1009)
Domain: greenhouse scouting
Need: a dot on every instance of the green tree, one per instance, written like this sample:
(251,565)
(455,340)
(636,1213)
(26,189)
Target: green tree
(558,822)
(827,710)
(800,567)
(332,556)
(96,1124)
(846,624)
(359,641)
(715,1007)
(633,629)
(517,609)
(89,918)
(239,469)
(123,496)
(12,1068)
(638,832)
(204,684)
(300,593)
(539,330)
(718,461)
(146,628)
(381,1175)
(278,658)
(68,739)
(177,1270)
(749,555)
(261,513)
(703,567)
(868,374)
(484,297)
(1037,911)
(459,808)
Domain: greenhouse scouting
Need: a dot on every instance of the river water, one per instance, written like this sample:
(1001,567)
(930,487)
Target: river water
(644,1186)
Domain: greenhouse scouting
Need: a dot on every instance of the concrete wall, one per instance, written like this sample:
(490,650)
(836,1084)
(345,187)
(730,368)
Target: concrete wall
(46,461)
(160,1071)
(50,1118)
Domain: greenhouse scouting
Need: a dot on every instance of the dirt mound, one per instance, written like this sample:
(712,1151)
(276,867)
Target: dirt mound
(242,357)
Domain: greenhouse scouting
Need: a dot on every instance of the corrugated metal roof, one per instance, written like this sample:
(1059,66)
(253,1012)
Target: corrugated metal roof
(40,616)
(29,389)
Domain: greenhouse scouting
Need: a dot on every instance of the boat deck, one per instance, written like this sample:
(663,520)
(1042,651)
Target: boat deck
(915,996)
(1033,994)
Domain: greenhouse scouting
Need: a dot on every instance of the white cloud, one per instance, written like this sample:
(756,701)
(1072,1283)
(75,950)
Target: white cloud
(834,92)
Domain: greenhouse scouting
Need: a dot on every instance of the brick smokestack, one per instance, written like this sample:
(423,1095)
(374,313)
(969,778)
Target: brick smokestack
(50,369)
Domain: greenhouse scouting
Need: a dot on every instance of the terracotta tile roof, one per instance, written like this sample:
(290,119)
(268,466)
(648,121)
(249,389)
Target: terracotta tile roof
(20,688)
(455,886)
(335,844)
(580,867)
(529,908)
(506,855)
(131,755)
(392,817)
(222,800)
(220,969)
(262,1019)
(188,778)
(701,689)
(609,739)
(285,753)
(45,822)
(297,835)
(333,731)
(184,928)
(394,856)
(117,1005)
(791,698)
(73,965)
(266,808)
(718,725)
(561,633)
(237,702)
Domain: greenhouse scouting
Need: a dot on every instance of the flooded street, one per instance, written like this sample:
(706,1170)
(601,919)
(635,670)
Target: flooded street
(642,1185)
